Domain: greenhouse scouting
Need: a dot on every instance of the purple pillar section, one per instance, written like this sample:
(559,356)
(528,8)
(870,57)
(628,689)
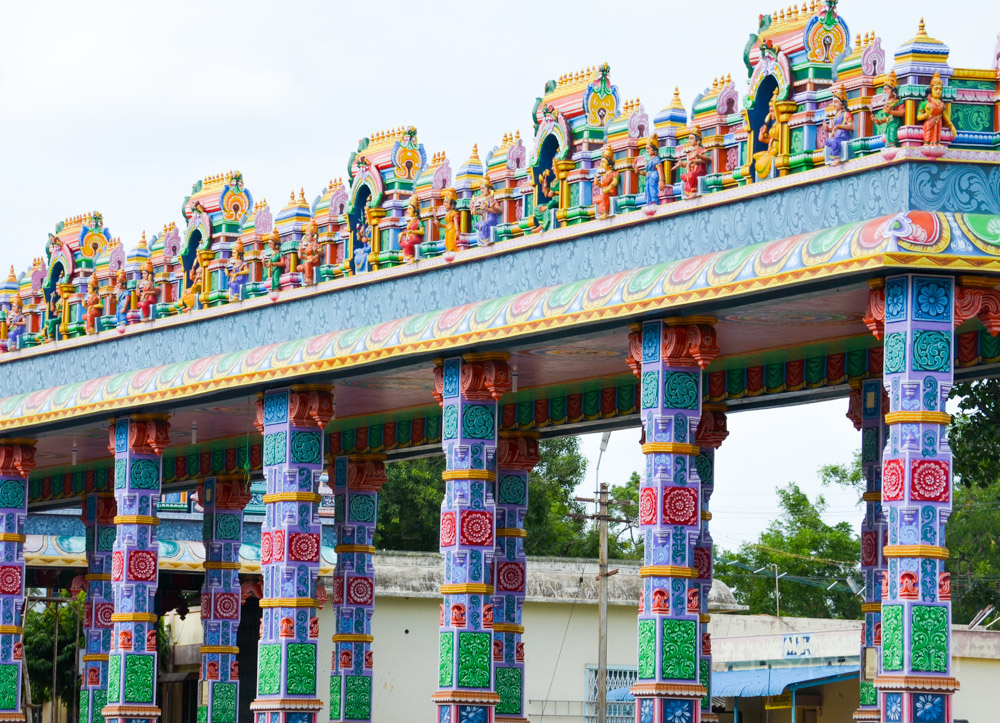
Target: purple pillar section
(138,443)
(667,355)
(222,499)
(17,459)
(99,511)
(356,482)
(517,455)
(468,389)
(292,421)
(867,411)
(916,682)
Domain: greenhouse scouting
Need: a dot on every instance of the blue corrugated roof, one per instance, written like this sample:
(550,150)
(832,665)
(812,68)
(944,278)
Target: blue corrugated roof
(772,681)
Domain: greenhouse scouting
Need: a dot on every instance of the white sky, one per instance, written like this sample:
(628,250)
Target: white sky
(121,106)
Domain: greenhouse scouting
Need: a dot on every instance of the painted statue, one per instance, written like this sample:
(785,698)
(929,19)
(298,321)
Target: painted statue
(413,233)
(94,306)
(839,126)
(309,254)
(362,247)
(605,183)
(543,219)
(934,112)
(485,204)
(148,293)
(123,299)
(274,262)
(892,111)
(193,291)
(15,323)
(55,311)
(650,168)
(451,223)
(237,272)
(695,163)
(769,134)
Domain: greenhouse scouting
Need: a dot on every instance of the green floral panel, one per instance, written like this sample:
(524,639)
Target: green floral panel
(446,660)
(269,669)
(929,638)
(202,714)
(975,118)
(358,698)
(144,475)
(479,421)
(649,390)
(335,683)
(451,421)
(680,649)
(647,649)
(8,687)
(121,475)
(306,447)
(474,651)
(274,448)
(227,527)
(892,637)
(705,678)
(509,690)
(680,390)
(84,706)
(115,678)
(931,351)
(224,703)
(301,669)
(100,700)
(895,352)
(869,696)
(140,678)
(362,508)
(12,494)
(511,490)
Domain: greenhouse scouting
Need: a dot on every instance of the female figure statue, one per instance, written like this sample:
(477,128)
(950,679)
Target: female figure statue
(892,112)
(451,224)
(413,233)
(362,248)
(839,126)
(486,205)
(94,305)
(309,254)
(274,262)
(651,171)
(695,161)
(15,323)
(237,272)
(769,133)
(190,296)
(148,293)
(123,299)
(605,183)
(543,197)
(934,112)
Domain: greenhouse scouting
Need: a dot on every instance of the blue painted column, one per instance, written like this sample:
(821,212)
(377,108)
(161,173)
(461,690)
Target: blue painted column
(669,356)
(99,510)
(356,482)
(222,498)
(292,421)
(517,455)
(468,389)
(17,459)
(916,682)
(138,443)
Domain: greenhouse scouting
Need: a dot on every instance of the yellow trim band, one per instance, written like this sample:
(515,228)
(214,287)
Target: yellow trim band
(133,617)
(467,588)
(231,649)
(704,618)
(370,549)
(511,532)
(871,607)
(934,552)
(469,474)
(670,448)
(12,537)
(95,657)
(871,497)
(508,628)
(215,565)
(918,418)
(136,520)
(289,602)
(292,497)
(98,576)
(11,630)
(352,638)
(668,571)
(706,515)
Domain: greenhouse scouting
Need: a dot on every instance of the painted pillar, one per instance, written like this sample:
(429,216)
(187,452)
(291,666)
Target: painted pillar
(292,421)
(517,454)
(17,459)
(867,412)
(667,355)
(138,443)
(468,389)
(356,482)
(915,682)
(712,432)
(222,498)
(99,510)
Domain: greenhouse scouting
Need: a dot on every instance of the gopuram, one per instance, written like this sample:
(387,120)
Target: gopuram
(826,227)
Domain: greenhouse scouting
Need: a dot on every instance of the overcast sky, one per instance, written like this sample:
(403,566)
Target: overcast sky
(120,107)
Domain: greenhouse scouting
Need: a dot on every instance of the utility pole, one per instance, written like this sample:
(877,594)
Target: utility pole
(602,634)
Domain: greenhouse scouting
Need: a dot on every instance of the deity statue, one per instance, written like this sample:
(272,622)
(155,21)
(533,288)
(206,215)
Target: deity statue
(190,296)
(605,183)
(650,168)
(486,205)
(309,254)
(934,112)
(695,161)
(94,306)
(55,310)
(413,233)
(123,298)
(451,224)
(769,133)
(839,126)
(15,323)
(148,293)
(274,262)
(892,112)
(543,219)
(237,271)
(362,246)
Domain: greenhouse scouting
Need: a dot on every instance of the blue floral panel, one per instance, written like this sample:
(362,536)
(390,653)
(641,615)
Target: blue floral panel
(678,711)
(895,299)
(931,299)
(647,710)
(928,708)
(893,707)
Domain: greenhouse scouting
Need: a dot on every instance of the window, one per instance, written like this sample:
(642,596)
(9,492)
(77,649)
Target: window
(621,704)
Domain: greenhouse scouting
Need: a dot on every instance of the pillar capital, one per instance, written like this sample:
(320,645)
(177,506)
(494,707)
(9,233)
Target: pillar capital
(518,450)
(713,427)
(139,433)
(366,472)
(310,405)
(478,377)
(17,457)
(231,492)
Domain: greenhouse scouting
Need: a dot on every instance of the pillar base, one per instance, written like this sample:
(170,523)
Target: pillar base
(901,683)
(279,704)
(131,711)
(865,714)
(482,697)
(506,719)
(694,691)
(9,716)
(707,717)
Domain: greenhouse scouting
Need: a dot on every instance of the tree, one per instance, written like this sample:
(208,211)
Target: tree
(812,554)
(409,505)
(39,622)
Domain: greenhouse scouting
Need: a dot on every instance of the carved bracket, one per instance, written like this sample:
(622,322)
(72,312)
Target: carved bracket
(518,451)
(366,472)
(713,428)
(17,457)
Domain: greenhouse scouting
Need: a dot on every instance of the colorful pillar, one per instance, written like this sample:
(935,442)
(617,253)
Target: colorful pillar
(915,682)
(137,443)
(468,389)
(357,480)
(222,498)
(667,355)
(292,421)
(99,510)
(867,412)
(712,432)
(17,459)
(517,455)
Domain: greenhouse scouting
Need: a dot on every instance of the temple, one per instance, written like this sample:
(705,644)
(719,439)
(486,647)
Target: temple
(826,225)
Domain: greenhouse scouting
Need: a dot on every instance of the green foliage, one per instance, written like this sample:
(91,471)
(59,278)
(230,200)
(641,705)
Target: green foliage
(409,505)
(551,485)
(811,553)
(974,434)
(844,475)
(38,636)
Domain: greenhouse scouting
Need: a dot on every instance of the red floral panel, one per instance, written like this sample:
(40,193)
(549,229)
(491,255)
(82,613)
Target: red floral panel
(477,528)
(510,577)
(142,565)
(892,480)
(303,546)
(447,529)
(929,480)
(647,506)
(680,506)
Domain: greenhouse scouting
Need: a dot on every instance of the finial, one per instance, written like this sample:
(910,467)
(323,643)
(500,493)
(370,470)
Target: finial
(474,156)
(291,196)
(12,276)
(142,241)
(921,30)
(517,135)
(302,195)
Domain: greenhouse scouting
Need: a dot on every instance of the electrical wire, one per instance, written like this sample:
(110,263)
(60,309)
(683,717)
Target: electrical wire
(555,667)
